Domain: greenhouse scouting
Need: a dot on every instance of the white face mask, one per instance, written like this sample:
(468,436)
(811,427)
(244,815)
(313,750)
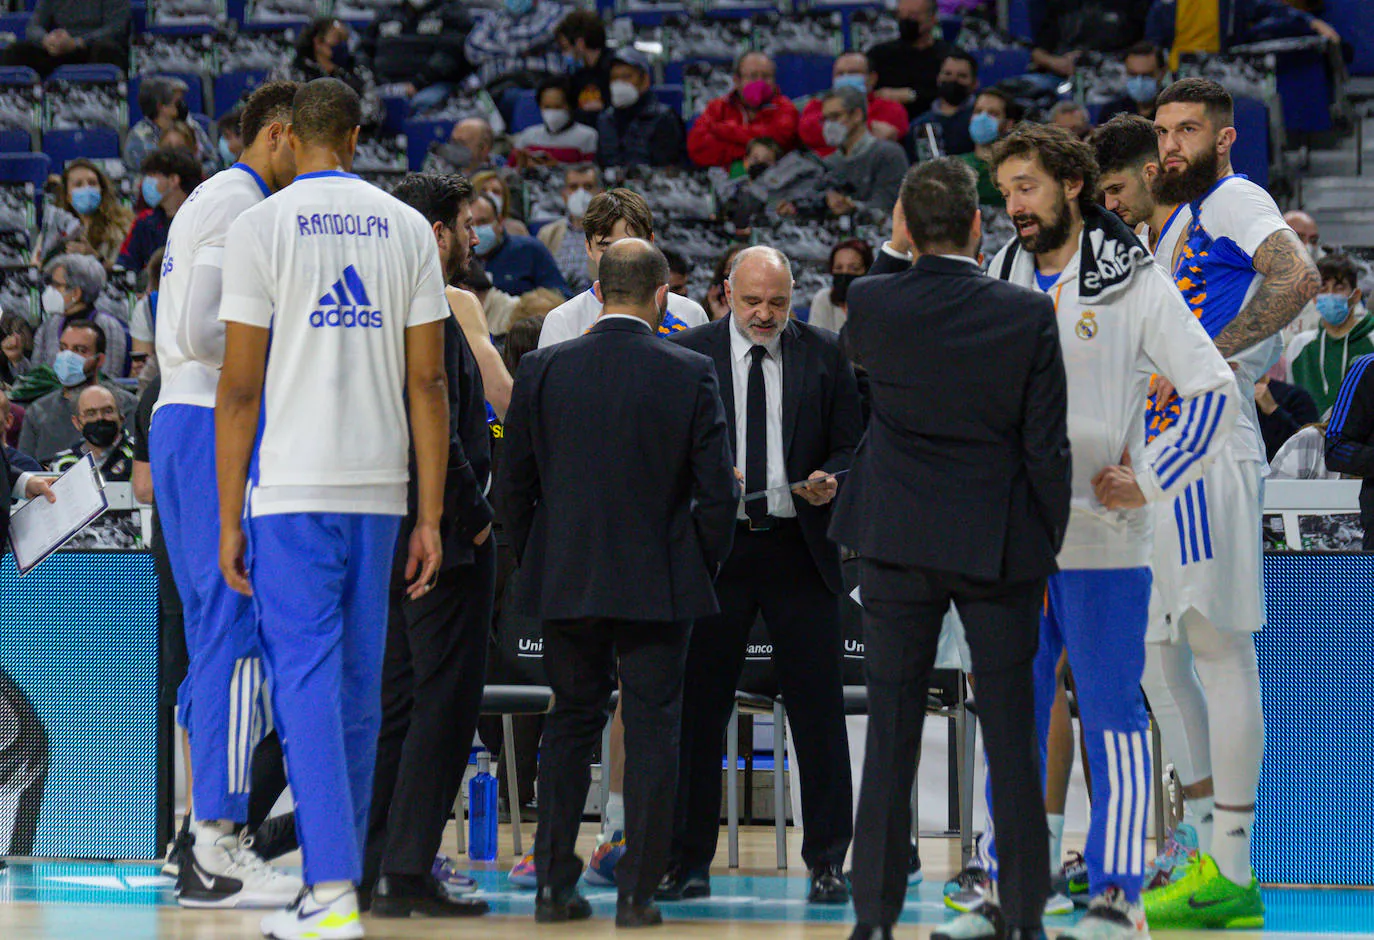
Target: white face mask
(623,94)
(54,304)
(555,118)
(834,132)
(578,203)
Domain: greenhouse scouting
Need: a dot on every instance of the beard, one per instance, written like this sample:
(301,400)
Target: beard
(1051,234)
(1177,186)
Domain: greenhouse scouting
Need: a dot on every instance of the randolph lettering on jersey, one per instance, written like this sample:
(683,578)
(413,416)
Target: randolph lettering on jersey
(336,223)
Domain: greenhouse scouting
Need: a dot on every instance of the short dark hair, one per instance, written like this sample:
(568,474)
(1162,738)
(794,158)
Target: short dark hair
(268,104)
(554,82)
(585,25)
(963,56)
(325,111)
(1126,142)
(940,199)
(1339,268)
(605,210)
(305,42)
(178,162)
(1013,108)
(768,143)
(521,338)
(1063,156)
(230,120)
(85,324)
(1221,108)
(857,245)
(435,196)
(1145,47)
(630,273)
(677,264)
(156,90)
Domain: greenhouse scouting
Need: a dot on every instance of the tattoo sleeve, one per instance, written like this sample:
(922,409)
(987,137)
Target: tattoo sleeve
(1290,281)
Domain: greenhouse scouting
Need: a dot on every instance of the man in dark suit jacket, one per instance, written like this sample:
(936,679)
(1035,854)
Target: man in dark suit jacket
(794,413)
(619,494)
(959,493)
(436,648)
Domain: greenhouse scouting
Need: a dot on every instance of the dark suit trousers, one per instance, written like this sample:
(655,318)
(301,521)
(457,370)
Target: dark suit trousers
(580,658)
(903,608)
(432,677)
(772,572)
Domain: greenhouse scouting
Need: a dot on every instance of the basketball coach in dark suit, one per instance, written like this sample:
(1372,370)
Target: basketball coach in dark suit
(794,413)
(959,493)
(619,495)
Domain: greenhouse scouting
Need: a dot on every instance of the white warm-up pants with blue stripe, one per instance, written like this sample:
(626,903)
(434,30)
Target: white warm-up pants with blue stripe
(320,592)
(220,702)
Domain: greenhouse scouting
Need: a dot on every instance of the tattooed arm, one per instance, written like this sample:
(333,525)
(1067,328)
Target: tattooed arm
(1290,281)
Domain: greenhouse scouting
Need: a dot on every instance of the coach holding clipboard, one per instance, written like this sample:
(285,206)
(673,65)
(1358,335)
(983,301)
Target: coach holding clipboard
(959,493)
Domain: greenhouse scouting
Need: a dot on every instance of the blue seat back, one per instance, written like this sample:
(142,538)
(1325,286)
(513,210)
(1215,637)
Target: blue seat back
(231,86)
(15,140)
(525,110)
(91,74)
(18,75)
(994,65)
(95,143)
(419,135)
(1250,152)
(674,96)
(802,75)
(25,168)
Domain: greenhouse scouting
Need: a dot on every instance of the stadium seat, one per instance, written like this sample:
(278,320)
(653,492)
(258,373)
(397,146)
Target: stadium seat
(195,92)
(802,75)
(25,168)
(90,74)
(15,140)
(15,23)
(1250,153)
(525,110)
(674,96)
(419,135)
(231,86)
(18,75)
(93,143)
(994,65)
(138,14)
(397,110)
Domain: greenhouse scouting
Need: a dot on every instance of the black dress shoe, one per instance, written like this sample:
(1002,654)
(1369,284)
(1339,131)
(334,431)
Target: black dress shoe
(552,907)
(870,932)
(629,914)
(420,896)
(828,886)
(683,884)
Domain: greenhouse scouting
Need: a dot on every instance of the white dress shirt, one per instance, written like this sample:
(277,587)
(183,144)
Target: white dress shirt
(779,500)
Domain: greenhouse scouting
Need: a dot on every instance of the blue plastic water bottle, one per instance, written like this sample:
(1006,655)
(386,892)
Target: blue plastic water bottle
(482,812)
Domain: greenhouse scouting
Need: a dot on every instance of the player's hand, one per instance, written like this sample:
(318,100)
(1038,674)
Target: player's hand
(1164,390)
(39,486)
(786,209)
(1264,397)
(1115,487)
(1326,31)
(422,564)
(231,559)
(482,536)
(820,488)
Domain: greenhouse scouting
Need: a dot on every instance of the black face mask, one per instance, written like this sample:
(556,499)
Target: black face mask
(182,110)
(839,288)
(955,93)
(758,169)
(100,433)
(909,30)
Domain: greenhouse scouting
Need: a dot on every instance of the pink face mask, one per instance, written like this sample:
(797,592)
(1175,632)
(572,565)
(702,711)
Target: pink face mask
(756,93)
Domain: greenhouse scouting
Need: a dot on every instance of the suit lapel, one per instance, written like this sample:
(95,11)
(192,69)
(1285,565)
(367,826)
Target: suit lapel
(794,369)
(725,372)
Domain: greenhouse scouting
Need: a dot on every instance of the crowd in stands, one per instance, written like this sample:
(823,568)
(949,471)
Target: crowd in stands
(545,105)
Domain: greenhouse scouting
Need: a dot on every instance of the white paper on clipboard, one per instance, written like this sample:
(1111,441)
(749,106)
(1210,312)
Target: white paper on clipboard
(39,528)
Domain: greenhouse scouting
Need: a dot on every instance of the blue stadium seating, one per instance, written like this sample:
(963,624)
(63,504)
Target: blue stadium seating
(25,168)
(420,134)
(16,140)
(195,92)
(18,75)
(525,110)
(802,75)
(230,87)
(674,96)
(15,23)
(86,73)
(994,65)
(95,143)
(1250,152)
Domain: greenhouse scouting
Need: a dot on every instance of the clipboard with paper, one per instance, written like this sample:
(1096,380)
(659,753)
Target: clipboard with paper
(39,528)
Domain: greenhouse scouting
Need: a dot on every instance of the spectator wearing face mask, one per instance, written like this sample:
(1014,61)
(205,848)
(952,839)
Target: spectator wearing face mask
(1319,359)
(557,138)
(754,108)
(565,237)
(637,129)
(101,426)
(908,66)
(16,344)
(849,260)
(467,151)
(887,120)
(493,185)
(88,194)
(994,113)
(519,37)
(169,176)
(864,174)
(73,284)
(48,426)
(582,41)
(162,100)
(230,142)
(324,50)
(948,117)
(514,263)
(1145,74)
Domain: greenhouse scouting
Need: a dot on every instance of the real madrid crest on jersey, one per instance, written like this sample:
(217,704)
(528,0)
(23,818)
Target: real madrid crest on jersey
(1087,326)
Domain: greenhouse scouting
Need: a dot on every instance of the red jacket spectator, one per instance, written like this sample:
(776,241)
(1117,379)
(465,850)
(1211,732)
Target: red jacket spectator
(719,137)
(880,111)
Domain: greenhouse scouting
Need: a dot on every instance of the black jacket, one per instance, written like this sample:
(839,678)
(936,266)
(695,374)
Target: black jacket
(616,480)
(822,419)
(420,46)
(647,133)
(466,510)
(1296,409)
(1350,437)
(965,466)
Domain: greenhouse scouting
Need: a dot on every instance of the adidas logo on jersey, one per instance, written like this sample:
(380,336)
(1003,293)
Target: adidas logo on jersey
(346,304)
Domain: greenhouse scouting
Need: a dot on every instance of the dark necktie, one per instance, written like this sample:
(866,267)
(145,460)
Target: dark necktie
(756,438)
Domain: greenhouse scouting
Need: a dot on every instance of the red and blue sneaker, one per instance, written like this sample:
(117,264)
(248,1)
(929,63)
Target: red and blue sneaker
(601,869)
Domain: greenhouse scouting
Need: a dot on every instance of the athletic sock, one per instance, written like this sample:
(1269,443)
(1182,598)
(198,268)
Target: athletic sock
(1056,822)
(1201,814)
(327,892)
(1231,844)
(210,831)
(615,814)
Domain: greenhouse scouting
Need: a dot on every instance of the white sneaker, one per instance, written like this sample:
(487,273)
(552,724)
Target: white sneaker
(308,919)
(1058,905)
(1110,917)
(229,874)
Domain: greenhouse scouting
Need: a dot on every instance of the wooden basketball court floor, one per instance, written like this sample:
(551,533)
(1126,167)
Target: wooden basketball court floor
(129,900)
